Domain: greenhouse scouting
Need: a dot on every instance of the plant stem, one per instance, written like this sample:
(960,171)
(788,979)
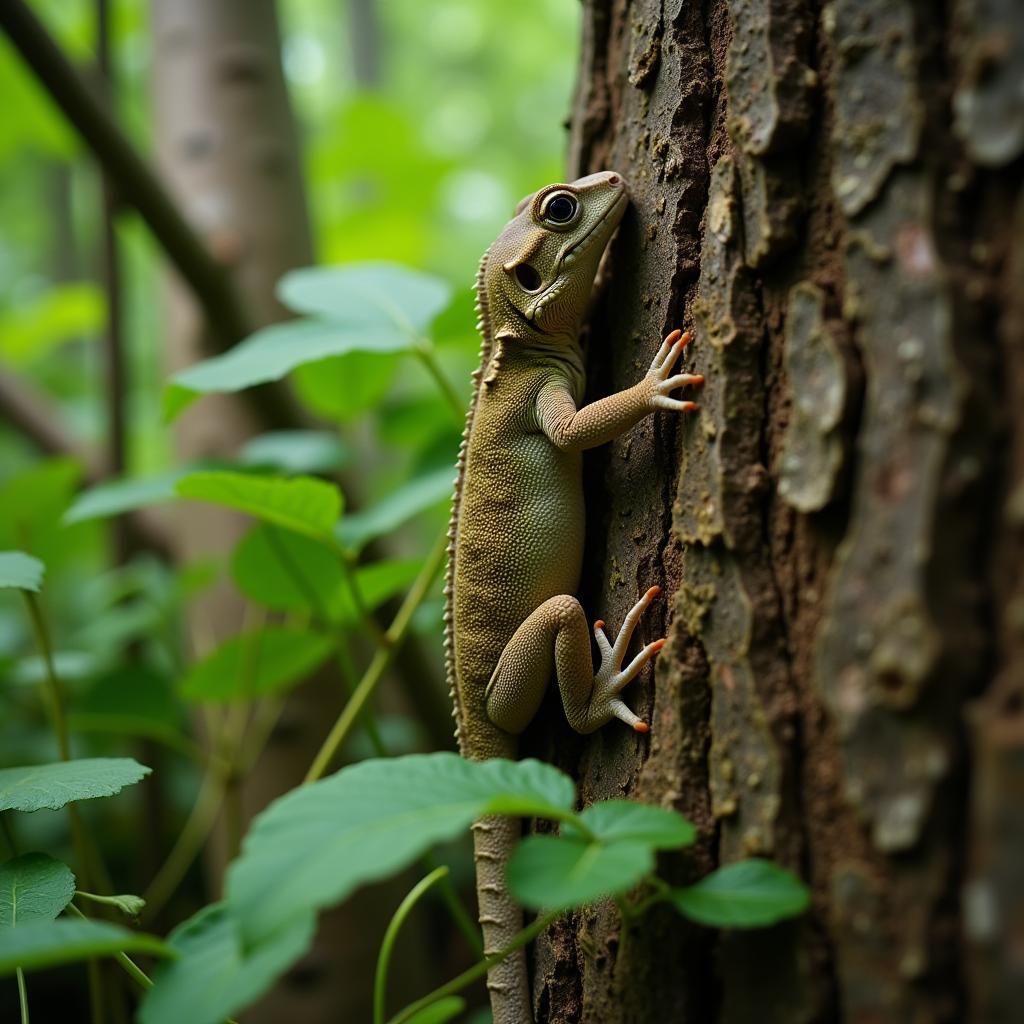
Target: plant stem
(60,725)
(447,892)
(380,980)
(204,811)
(190,841)
(381,660)
(347,670)
(428,356)
(78,838)
(130,967)
(22,995)
(368,622)
(457,912)
(470,975)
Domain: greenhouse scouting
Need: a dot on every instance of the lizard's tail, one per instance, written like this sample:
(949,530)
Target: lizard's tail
(494,838)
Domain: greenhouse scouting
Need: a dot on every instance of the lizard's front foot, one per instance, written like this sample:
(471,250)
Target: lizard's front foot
(660,380)
(611,677)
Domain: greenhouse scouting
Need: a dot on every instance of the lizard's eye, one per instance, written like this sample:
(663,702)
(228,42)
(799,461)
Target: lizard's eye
(527,277)
(561,209)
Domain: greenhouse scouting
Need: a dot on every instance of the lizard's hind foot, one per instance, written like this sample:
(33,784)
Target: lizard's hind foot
(611,677)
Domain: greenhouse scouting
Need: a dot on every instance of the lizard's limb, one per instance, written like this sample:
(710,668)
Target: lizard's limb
(577,429)
(555,637)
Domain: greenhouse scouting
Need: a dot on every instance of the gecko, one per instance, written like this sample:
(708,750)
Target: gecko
(516,536)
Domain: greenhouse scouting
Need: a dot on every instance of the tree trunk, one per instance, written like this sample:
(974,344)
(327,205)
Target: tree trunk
(228,146)
(829,196)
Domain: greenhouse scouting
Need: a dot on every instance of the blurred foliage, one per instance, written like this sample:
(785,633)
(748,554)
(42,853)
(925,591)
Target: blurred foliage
(418,164)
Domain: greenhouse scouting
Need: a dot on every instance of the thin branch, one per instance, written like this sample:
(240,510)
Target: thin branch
(380,663)
(139,187)
(136,183)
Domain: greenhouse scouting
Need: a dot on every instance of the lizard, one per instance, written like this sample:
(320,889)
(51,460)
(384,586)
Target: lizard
(515,542)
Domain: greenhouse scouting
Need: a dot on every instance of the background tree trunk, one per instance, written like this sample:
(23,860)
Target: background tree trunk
(829,195)
(228,146)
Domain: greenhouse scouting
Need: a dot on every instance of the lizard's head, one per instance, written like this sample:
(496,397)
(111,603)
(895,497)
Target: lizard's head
(541,269)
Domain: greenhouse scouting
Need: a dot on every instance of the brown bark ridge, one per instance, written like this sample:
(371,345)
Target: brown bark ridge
(829,196)
(227,146)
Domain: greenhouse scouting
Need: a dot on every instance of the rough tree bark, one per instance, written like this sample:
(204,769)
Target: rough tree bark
(227,143)
(830,196)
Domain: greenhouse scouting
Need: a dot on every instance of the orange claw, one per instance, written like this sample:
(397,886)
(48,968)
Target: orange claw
(599,624)
(642,727)
(652,593)
(687,337)
(657,645)
(673,337)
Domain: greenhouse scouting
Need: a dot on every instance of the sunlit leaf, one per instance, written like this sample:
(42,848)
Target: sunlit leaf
(273,352)
(33,887)
(562,871)
(747,894)
(30,121)
(301,503)
(255,664)
(34,787)
(19,571)
(116,497)
(373,293)
(296,451)
(397,508)
(625,820)
(316,844)
(48,943)
(62,313)
(215,975)
(32,503)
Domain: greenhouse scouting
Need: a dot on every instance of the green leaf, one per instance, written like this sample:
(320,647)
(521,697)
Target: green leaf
(33,502)
(438,1013)
(216,975)
(253,664)
(557,872)
(289,572)
(747,894)
(273,352)
(62,313)
(19,571)
(128,904)
(51,786)
(316,844)
(33,887)
(625,820)
(286,571)
(303,503)
(175,400)
(116,497)
(367,293)
(48,943)
(424,492)
(347,386)
(296,451)
(377,582)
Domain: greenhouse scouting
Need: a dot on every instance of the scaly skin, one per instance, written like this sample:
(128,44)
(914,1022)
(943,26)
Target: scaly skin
(517,523)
